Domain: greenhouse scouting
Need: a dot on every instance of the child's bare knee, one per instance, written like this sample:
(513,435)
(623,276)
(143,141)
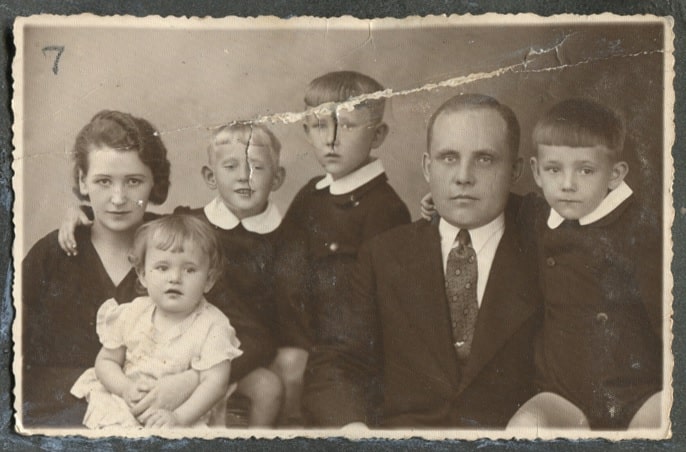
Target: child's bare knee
(549,410)
(650,413)
(290,363)
(266,385)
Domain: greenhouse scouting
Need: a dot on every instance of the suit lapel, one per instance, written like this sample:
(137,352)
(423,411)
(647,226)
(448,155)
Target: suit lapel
(423,296)
(507,303)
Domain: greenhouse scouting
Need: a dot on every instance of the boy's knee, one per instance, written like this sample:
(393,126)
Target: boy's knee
(549,410)
(649,415)
(290,363)
(524,419)
(263,384)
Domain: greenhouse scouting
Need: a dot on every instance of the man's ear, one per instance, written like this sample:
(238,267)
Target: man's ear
(533,162)
(619,172)
(426,166)
(83,188)
(279,177)
(208,177)
(380,133)
(517,169)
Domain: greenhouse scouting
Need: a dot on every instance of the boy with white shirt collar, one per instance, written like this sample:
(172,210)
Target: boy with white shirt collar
(599,357)
(329,219)
(243,166)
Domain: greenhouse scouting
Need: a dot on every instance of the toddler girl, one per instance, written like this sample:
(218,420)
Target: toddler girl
(171,330)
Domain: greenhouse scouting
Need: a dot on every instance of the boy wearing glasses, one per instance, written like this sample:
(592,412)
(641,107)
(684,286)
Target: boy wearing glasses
(327,222)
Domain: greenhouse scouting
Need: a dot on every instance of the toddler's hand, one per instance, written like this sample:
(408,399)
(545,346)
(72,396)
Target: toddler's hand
(428,208)
(65,236)
(133,394)
(162,419)
(167,393)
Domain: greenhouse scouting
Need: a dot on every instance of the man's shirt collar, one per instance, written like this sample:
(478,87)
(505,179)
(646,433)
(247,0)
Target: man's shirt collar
(479,235)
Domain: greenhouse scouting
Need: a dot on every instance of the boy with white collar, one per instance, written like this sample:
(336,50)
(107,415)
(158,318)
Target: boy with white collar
(243,166)
(328,220)
(599,356)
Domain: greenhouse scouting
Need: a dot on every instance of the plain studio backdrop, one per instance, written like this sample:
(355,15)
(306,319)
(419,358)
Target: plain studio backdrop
(185,80)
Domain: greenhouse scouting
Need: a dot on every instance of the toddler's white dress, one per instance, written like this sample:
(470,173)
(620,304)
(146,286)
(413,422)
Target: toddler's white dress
(204,339)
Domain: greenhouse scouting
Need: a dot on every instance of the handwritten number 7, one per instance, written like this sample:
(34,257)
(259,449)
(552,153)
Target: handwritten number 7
(59,50)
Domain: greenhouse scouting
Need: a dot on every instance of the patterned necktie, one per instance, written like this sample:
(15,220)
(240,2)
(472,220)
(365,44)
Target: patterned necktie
(460,287)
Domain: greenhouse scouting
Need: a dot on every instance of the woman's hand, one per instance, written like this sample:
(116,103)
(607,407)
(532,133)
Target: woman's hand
(161,418)
(428,209)
(65,237)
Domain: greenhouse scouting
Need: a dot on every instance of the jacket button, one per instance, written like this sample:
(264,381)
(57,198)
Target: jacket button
(550,262)
(333,247)
(601,317)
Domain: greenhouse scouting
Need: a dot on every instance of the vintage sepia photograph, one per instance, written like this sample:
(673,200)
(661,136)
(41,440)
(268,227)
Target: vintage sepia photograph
(438,227)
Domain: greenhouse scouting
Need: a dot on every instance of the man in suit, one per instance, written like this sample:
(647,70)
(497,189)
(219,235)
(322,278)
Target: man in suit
(443,314)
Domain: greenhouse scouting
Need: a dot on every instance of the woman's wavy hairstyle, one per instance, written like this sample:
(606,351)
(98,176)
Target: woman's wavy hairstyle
(126,133)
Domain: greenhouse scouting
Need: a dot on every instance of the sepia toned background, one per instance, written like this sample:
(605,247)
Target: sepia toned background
(185,80)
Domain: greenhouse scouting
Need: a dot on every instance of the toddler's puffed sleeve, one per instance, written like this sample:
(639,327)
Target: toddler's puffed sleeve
(110,324)
(220,344)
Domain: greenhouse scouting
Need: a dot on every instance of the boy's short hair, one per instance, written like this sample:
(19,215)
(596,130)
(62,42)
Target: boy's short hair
(244,132)
(171,233)
(581,123)
(125,133)
(463,102)
(341,86)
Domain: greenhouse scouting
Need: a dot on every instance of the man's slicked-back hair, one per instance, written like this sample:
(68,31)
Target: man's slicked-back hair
(464,102)
(581,123)
(341,86)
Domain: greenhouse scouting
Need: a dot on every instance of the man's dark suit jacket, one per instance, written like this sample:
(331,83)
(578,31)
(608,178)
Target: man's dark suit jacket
(396,366)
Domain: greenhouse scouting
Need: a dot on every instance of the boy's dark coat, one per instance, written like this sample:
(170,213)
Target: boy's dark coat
(320,237)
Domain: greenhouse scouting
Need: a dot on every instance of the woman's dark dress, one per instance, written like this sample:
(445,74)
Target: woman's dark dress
(60,298)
